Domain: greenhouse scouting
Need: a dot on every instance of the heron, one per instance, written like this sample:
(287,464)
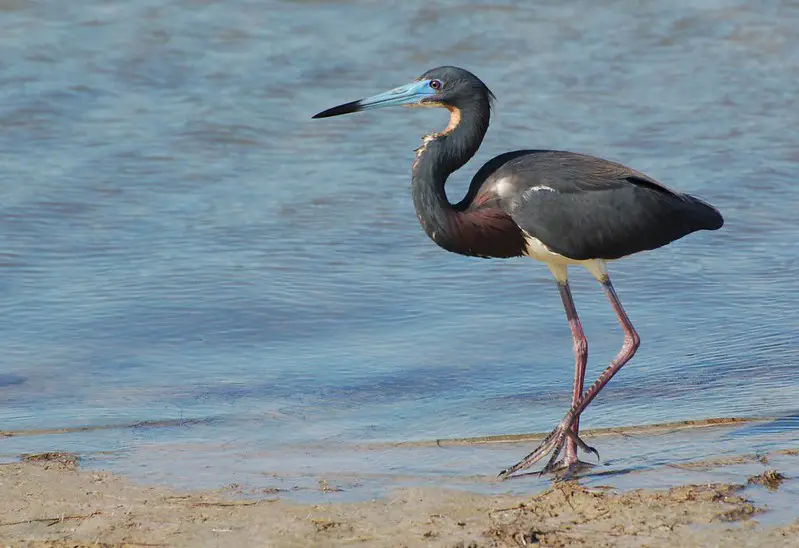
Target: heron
(561,208)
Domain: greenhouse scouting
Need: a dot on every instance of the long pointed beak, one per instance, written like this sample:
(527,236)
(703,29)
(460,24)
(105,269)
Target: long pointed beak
(409,94)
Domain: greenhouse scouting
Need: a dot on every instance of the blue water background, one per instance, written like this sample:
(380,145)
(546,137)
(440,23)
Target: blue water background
(180,241)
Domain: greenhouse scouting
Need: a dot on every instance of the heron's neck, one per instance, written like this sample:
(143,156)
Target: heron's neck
(439,156)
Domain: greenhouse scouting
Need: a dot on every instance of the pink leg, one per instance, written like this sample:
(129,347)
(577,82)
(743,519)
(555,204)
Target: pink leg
(555,441)
(581,359)
(631,343)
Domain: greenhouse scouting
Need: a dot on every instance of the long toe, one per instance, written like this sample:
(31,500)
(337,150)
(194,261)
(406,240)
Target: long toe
(552,443)
(582,445)
(553,459)
(569,465)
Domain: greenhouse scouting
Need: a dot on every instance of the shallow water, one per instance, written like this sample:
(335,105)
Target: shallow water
(179,241)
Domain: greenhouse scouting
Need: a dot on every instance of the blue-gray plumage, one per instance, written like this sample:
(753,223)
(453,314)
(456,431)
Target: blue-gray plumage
(558,207)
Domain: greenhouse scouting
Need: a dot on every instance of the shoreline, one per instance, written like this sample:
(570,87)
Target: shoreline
(658,428)
(47,500)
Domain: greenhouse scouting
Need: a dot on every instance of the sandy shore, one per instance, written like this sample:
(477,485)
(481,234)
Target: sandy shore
(48,501)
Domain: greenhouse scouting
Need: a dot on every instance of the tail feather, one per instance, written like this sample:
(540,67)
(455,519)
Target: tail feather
(707,216)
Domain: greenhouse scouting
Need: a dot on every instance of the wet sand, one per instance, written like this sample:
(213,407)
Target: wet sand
(46,500)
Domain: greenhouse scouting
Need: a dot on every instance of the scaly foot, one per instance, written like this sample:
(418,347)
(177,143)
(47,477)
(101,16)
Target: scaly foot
(552,443)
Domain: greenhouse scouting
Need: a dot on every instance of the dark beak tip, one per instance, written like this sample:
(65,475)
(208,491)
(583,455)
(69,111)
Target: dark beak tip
(346,108)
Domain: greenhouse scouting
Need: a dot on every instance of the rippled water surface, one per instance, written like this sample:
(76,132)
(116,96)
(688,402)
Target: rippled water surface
(179,241)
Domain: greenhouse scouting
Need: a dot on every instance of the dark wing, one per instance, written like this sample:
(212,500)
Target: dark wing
(584,207)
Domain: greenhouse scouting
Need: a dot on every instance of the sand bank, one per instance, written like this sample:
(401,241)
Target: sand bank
(49,501)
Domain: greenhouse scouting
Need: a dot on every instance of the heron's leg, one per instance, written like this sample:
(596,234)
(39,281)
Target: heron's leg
(631,343)
(580,361)
(555,440)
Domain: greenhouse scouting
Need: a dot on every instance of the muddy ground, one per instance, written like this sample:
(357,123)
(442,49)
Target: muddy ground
(48,501)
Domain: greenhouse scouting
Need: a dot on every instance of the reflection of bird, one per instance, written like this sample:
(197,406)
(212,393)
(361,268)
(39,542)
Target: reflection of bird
(557,207)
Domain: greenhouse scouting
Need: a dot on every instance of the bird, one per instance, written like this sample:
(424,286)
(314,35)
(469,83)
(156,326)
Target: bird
(557,207)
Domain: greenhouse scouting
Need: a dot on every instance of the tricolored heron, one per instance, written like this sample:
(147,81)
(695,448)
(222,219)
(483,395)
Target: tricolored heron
(561,208)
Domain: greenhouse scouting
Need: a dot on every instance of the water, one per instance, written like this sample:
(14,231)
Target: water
(180,242)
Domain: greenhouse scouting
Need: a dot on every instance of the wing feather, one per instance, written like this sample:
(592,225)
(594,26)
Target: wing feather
(585,207)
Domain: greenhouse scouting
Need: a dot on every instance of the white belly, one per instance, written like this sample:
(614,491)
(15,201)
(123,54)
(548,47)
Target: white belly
(557,263)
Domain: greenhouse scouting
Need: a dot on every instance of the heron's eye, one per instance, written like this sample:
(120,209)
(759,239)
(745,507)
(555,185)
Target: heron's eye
(436,84)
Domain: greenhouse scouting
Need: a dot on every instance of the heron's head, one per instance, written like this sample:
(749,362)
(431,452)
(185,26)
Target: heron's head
(448,87)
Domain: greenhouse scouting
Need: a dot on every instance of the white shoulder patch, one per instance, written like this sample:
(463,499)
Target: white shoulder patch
(503,187)
(537,188)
